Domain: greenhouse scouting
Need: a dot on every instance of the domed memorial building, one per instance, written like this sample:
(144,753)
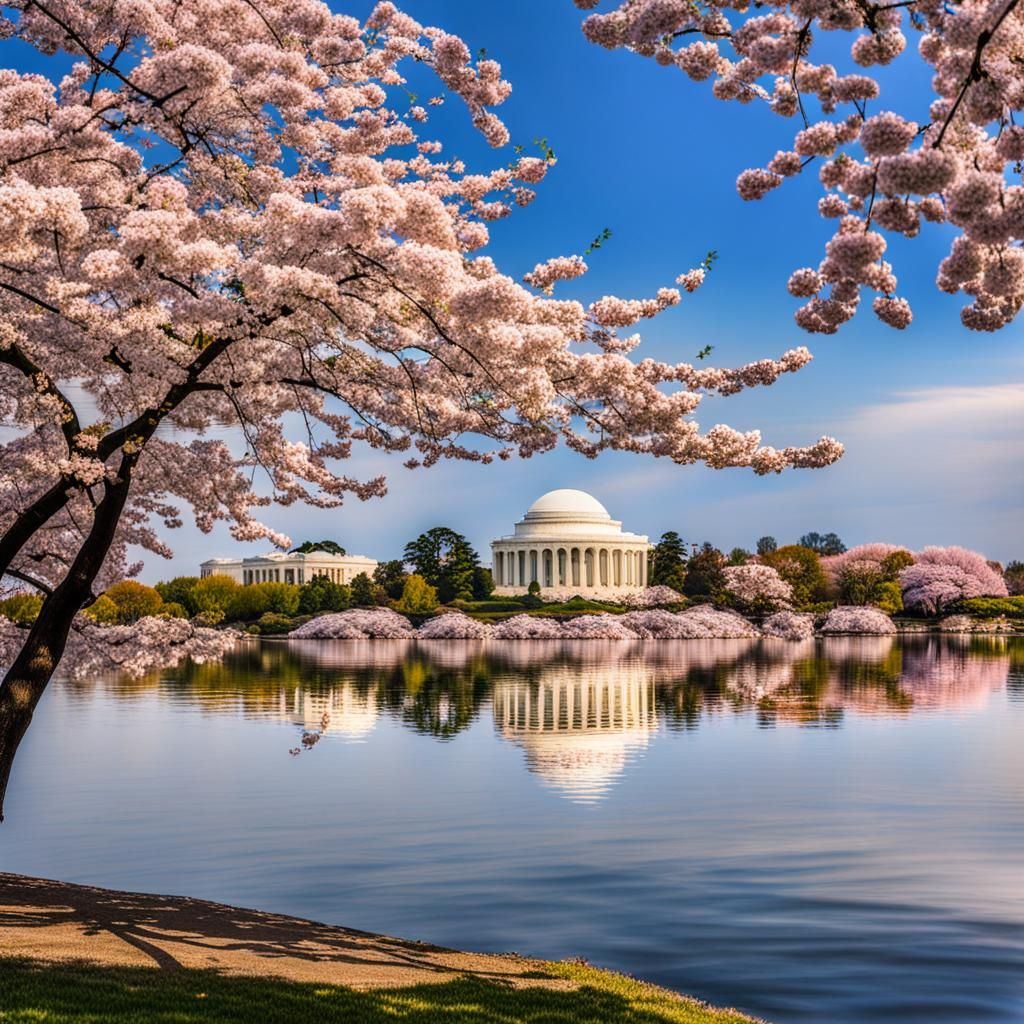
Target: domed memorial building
(568,542)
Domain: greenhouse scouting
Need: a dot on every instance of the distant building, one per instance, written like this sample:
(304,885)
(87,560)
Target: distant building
(281,567)
(568,541)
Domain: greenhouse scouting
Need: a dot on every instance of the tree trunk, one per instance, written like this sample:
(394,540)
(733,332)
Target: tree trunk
(29,675)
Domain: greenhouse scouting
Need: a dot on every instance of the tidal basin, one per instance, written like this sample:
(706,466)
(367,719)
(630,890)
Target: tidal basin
(819,831)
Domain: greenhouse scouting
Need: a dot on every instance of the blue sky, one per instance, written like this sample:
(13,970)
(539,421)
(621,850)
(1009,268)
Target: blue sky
(932,417)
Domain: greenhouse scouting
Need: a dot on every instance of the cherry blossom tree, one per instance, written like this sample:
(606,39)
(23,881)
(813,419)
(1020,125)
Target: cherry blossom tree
(757,588)
(232,214)
(882,171)
(942,576)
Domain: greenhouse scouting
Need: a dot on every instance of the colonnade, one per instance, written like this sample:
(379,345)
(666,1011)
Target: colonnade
(589,567)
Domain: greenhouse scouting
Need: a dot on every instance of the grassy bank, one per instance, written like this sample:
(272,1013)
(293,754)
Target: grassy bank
(79,993)
(74,954)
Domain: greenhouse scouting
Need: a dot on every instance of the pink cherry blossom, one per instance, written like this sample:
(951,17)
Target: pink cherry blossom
(954,159)
(858,619)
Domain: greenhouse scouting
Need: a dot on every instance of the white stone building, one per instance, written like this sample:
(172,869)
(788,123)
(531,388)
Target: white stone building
(289,567)
(568,542)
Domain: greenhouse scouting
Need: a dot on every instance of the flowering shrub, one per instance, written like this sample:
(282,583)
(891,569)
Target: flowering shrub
(701,623)
(652,597)
(757,588)
(453,626)
(788,625)
(597,627)
(527,627)
(858,619)
(356,624)
(942,576)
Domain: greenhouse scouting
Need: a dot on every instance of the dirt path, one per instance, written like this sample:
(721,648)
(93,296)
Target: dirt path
(56,921)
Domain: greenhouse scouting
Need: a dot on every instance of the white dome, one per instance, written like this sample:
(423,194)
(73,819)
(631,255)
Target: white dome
(568,502)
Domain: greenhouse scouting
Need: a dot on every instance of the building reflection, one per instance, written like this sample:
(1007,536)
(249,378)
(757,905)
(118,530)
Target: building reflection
(342,711)
(579,726)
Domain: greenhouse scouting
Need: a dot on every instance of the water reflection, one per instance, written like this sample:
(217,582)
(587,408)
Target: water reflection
(579,725)
(582,711)
(825,831)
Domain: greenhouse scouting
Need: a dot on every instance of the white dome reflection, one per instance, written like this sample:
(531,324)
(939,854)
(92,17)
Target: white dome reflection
(579,725)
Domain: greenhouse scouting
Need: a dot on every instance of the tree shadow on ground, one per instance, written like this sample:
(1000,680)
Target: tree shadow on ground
(175,932)
(79,993)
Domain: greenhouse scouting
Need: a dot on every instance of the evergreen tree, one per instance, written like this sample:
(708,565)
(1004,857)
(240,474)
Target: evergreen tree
(705,577)
(766,545)
(322,594)
(823,544)
(364,593)
(446,560)
(391,575)
(738,556)
(330,547)
(669,562)
(483,583)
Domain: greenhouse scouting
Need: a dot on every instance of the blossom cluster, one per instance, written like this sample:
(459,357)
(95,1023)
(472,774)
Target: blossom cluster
(882,172)
(942,576)
(757,586)
(858,619)
(356,624)
(789,625)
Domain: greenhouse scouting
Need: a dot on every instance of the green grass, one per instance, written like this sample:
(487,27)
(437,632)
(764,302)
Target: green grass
(75,993)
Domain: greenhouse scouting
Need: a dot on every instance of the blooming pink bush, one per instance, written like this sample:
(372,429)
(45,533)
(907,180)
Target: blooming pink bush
(597,627)
(858,618)
(453,626)
(652,597)
(527,627)
(884,172)
(789,625)
(757,587)
(356,624)
(942,576)
(875,553)
(701,623)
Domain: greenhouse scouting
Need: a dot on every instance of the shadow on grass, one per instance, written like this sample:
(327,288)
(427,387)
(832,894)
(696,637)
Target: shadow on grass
(79,993)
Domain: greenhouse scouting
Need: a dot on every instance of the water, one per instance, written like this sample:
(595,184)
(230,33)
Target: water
(821,832)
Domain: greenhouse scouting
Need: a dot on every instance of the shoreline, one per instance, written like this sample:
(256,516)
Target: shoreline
(53,931)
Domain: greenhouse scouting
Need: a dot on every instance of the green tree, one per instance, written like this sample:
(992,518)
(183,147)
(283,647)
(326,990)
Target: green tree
(705,577)
(766,544)
(102,610)
(364,593)
(322,594)
(173,610)
(1014,576)
(738,556)
(823,543)
(214,594)
(330,547)
(893,564)
(446,560)
(483,583)
(134,600)
(179,591)
(801,568)
(391,576)
(21,607)
(418,596)
(668,558)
